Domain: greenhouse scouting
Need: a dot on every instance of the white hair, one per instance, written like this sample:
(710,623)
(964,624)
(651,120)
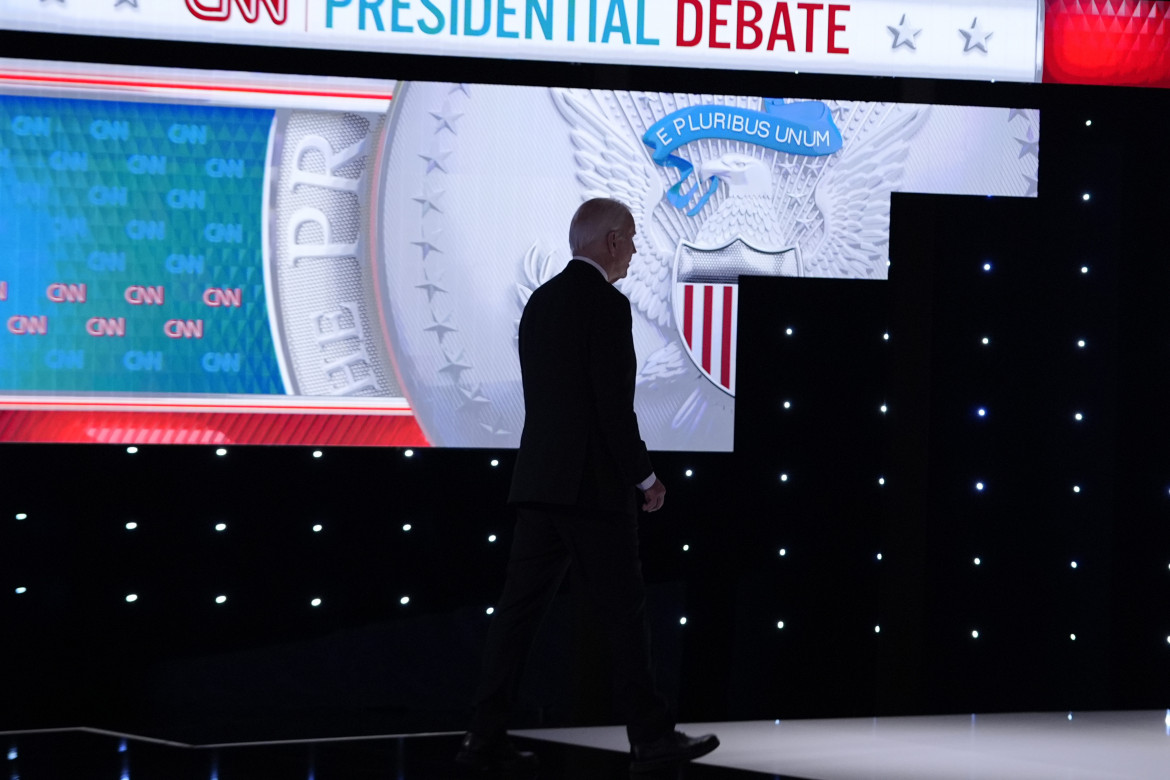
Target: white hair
(594,220)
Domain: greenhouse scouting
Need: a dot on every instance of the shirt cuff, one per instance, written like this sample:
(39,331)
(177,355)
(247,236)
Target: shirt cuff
(645,484)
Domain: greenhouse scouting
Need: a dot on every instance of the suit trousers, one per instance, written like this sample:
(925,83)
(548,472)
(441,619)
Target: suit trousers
(603,546)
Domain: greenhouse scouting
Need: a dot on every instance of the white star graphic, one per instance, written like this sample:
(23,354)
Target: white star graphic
(431,288)
(496,428)
(976,37)
(446,118)
(441,328)
(455,366)
(427,243)
(473,396)
(1029,145)
(430,198)
(436,159)
(904,34)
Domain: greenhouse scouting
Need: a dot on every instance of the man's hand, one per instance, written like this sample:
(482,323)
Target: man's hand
(654,496)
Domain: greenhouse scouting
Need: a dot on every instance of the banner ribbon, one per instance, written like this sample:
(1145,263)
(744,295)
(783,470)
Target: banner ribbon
(805,128)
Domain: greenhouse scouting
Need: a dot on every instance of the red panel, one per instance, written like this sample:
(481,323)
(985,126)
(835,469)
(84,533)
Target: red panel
(1109,42)
(321,430)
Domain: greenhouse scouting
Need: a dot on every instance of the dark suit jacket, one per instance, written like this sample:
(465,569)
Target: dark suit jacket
(580,445)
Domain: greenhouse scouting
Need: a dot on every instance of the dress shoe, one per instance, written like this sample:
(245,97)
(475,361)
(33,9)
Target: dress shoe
(492,754)
(671,749)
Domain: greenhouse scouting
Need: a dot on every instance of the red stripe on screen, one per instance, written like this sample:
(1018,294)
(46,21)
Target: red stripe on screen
(726,373)
(688,312)
(708,303)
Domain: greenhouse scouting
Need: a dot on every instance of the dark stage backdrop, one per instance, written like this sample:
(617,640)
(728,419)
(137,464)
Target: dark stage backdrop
(770,553)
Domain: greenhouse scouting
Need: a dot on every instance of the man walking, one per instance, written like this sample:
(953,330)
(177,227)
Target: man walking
(579,471)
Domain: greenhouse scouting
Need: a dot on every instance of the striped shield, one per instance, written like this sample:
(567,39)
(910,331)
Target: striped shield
(705,300)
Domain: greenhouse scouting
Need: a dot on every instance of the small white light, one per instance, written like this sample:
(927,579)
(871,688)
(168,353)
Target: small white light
(879,556)
(885,336)
(131,597)
(682,621)
(1168,640)
(978,561)
(1088,123)
(1081,343)
(495,463)
(789,331)
(315,602)
(686,548)
(881,480)
(979,486)
(885,408)
(1073,564)
(21,590)
(689,473)
(21,516)
(318,528)
(409,453)
(12,754)
(492,538)
(783,552)
(787,404)
(1070,716)
(491,610)
(221,452)
(1076,488)
(877,629)
(220,599)
(783,477)
(982,412)
(1073,637)
(404,600)
(1085,197)
(317,453)
(1078,417)
(131,526)
(987,266)
(780,625)
(974,634)
(221,526)
(986,341)
(406,527)
(131,450)
(1084,269)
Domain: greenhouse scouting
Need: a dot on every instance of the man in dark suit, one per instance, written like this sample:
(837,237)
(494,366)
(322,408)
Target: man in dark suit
(578,473)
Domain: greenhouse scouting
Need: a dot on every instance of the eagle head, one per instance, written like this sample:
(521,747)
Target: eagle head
(744,174)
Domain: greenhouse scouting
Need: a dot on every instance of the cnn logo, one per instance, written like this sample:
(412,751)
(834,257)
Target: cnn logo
(221,10)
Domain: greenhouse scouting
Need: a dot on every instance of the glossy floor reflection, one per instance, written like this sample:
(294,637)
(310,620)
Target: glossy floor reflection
(1017,746)
(86,755)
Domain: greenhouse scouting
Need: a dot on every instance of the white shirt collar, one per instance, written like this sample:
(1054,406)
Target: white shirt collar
(593,263)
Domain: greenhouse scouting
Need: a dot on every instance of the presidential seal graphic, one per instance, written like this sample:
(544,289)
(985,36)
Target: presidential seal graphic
(477,184)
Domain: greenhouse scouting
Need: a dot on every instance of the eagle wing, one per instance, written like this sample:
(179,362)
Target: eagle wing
(611,163)
(853,195)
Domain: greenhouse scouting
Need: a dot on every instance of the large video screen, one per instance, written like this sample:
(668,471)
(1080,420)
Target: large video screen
(214,257)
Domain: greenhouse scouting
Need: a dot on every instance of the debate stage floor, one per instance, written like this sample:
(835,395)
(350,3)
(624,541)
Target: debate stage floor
(1024,746)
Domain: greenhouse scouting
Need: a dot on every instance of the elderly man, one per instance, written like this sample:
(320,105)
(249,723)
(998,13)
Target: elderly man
(578,473)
